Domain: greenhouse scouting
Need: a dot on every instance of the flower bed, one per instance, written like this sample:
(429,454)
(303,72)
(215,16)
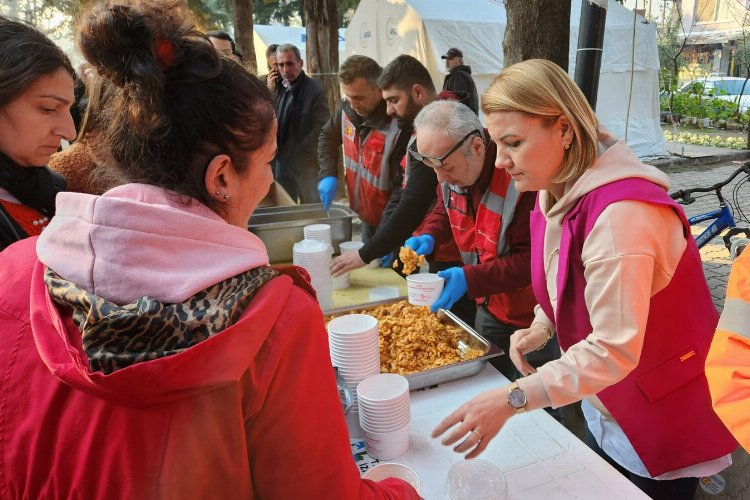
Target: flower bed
(707,140)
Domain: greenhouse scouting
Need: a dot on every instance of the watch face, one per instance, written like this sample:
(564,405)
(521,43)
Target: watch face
(517,398)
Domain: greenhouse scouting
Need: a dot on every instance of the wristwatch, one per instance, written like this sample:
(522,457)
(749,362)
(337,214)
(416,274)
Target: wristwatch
(516,398)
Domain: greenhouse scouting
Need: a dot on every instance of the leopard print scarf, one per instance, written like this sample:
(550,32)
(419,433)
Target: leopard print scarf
(115,337)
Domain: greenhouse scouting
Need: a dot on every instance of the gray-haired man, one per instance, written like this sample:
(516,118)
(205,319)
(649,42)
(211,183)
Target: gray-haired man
(301,110)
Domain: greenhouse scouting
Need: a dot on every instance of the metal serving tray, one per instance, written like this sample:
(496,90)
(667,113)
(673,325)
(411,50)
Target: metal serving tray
(435,376)
(281,227)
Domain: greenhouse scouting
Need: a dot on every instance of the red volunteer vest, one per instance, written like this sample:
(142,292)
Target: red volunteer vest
(480,236)
(367,170)
(663,405)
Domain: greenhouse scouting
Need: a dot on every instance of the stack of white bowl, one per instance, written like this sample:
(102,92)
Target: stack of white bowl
(384,415)
(315,257)
(355,350)
(322,232)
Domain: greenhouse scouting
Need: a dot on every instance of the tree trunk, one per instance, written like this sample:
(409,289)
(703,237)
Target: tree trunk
(537,29)
(322,61)
(242,18)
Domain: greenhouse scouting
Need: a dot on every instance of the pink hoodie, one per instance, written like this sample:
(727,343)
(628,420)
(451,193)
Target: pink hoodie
(133,241)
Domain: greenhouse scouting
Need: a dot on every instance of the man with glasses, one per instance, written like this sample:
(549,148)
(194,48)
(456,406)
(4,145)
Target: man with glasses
(479,208)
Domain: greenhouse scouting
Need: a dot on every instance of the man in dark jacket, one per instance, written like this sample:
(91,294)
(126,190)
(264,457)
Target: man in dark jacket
(373,145)
(459,80)
(301,110)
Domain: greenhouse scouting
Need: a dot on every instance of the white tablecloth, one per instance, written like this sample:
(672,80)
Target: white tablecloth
(541,459)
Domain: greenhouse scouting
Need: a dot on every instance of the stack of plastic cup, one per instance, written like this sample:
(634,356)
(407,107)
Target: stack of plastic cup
(315,257)
(320,232)
(355,350)
(476,480)
(384,415)
(346,247)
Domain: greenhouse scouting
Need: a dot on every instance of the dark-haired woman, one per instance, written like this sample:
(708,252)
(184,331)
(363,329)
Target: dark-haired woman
(36,93)
(147,348)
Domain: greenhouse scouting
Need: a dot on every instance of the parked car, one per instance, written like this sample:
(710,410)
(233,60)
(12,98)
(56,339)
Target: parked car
(727,88)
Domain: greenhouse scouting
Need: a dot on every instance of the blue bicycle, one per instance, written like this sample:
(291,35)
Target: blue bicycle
(723,217)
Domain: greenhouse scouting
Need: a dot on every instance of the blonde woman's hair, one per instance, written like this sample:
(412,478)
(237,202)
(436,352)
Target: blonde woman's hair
(541,88)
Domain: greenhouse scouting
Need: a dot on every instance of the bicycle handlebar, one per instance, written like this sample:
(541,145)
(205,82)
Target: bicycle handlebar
(684,194)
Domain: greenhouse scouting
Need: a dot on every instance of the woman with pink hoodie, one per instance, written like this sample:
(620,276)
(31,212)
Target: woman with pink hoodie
(618,279)
(147,349)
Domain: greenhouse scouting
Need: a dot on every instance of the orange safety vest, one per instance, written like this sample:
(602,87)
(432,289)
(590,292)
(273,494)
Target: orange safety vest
(728,361)
(367,169)
(481,238)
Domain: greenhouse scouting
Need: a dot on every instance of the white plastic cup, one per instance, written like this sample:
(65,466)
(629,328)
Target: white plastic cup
(350,246)
(475,479)
(340,282)
(384,471)
(386,445)
(424,288)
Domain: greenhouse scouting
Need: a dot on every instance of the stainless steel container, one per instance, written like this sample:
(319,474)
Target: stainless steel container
(435,376)
(281,227)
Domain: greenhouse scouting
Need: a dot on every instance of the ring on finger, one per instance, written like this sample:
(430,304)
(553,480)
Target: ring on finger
(479,436)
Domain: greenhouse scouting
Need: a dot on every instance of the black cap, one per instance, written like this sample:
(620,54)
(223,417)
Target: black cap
(452,52)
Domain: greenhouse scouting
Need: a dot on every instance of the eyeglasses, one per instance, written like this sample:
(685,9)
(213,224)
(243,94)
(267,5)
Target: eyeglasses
(437,163)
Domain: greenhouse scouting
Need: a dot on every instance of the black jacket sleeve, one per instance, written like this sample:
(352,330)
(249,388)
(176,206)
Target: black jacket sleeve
(329,146)
(416,200)
(463,85)
(317,117)
(397,174)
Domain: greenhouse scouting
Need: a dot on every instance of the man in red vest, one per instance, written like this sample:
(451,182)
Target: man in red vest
(479,208)
(372,142)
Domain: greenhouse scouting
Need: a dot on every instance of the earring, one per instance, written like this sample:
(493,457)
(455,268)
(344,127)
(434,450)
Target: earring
(226,197)
(217,193)
(566,145)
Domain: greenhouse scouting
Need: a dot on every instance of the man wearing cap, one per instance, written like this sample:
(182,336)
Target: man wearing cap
(459,80)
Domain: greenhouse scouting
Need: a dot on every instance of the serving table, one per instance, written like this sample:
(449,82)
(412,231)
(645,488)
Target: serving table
(540,458)
(360,282)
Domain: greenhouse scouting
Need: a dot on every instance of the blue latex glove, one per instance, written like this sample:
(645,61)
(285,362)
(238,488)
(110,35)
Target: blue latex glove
(423,244)
(327,190)
(387,260)
(455,287)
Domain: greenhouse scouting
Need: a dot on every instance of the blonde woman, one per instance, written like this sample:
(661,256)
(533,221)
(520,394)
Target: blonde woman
(618,279)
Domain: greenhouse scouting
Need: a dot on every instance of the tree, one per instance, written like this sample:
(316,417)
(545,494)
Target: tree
(537,29)
(323,46)
(282,11)
(671,41)
(242,19)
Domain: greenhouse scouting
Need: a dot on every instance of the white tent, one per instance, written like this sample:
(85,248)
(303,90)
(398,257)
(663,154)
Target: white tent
(426,29)
(265,35)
